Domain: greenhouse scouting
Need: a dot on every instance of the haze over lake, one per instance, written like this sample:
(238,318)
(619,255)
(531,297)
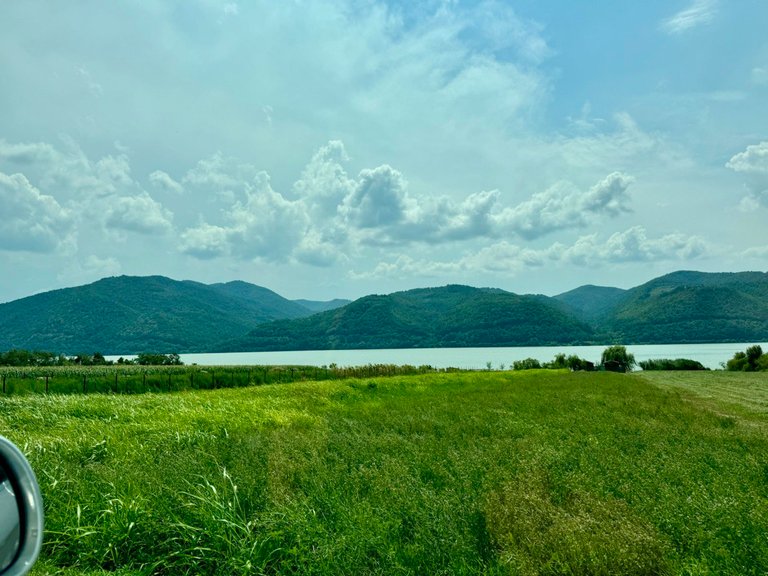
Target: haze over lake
(710,355)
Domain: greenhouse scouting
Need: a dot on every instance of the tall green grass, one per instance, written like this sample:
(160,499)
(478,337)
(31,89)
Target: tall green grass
(536,472)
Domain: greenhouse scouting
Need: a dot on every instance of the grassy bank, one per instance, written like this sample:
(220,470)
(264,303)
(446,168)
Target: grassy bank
(536,472)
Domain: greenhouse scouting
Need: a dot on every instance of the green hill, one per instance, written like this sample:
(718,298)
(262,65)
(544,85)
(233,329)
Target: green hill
(322,305)
(125,315)
(592,303)
(451,316)
(692,307)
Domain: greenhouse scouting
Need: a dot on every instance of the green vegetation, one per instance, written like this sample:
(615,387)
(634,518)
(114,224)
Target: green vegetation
(752,360)
(617,359)
(20,357)
(451,316)
(692,307)
(489,472)
(667,364)
(559,362)
(128,315)
(135,378)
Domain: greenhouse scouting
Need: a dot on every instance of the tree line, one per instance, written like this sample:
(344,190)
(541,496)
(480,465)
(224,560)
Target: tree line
(21,357)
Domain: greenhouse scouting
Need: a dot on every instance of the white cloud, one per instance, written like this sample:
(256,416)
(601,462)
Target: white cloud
(264,226)
(753,160)
(753,164)
(756,252)
(699,13)
(26,153)
(141,214)
(324,183)
(205,242)
(632,245)
(504,258)
(379,199)
(31,221)
(163,181)
(561,207)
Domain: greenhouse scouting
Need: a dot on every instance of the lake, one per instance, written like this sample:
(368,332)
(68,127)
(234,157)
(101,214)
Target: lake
(710,355)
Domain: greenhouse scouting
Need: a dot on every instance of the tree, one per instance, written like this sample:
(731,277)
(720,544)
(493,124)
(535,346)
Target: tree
(750,361)
(526,364)
(618,357)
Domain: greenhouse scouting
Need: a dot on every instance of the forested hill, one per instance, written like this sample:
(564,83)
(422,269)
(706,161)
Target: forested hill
(128,315)
(693,307)
(677,308)
(124,315)
(450,316)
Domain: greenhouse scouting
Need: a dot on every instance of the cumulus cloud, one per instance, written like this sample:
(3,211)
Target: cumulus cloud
(560,207)
(698,13)
(324,183)
(163,181)
(26,153)
(264,225)
(140,214)
(205,241)
(632,245)
(378,200)
(753,164)
(31,221)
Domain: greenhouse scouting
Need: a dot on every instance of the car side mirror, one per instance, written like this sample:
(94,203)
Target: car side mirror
(21,512)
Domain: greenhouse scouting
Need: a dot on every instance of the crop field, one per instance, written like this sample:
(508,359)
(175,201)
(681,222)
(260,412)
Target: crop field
(134,379)
(536,472)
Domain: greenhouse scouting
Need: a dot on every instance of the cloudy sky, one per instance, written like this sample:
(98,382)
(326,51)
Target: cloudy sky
(345,147)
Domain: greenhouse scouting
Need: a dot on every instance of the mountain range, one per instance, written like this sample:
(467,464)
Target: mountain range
(128,315)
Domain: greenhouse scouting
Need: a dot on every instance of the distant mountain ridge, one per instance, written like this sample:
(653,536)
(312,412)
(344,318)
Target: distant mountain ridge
(681,307)
(128,315)
(450,316)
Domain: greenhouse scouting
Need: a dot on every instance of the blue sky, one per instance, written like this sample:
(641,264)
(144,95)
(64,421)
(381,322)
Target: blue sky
(339,148)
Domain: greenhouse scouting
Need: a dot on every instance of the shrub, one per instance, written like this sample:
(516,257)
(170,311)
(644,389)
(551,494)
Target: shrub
(618,358)
(753,360)
(667,364)
(526,364)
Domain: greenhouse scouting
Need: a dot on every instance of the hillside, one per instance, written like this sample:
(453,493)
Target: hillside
(451,316)
(692,307)
(592,303)
(128,315)
(322,305)
(124,315)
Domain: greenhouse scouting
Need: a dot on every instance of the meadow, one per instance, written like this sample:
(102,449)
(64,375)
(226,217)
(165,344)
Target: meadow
(534,472)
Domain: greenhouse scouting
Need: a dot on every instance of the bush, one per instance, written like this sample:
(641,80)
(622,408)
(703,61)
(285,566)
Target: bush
(526,364)
(618,359)
(667,364)
(753,360)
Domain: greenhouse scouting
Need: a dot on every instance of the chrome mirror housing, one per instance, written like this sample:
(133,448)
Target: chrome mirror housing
(21,512)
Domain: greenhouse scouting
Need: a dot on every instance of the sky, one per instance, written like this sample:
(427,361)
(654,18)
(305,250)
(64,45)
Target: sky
(333,149)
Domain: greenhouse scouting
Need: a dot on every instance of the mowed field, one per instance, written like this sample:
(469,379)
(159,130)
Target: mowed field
(534,472)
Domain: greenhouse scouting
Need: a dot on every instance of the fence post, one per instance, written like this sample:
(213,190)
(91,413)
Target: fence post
(169,381)
(85,383)
(46,383)
(117,387)
(144,381)
(3,383)
(213,379)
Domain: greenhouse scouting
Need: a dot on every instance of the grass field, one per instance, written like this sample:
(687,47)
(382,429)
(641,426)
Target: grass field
(535,472)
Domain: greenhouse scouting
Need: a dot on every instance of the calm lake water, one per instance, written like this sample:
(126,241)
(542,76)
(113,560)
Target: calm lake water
(710,355)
